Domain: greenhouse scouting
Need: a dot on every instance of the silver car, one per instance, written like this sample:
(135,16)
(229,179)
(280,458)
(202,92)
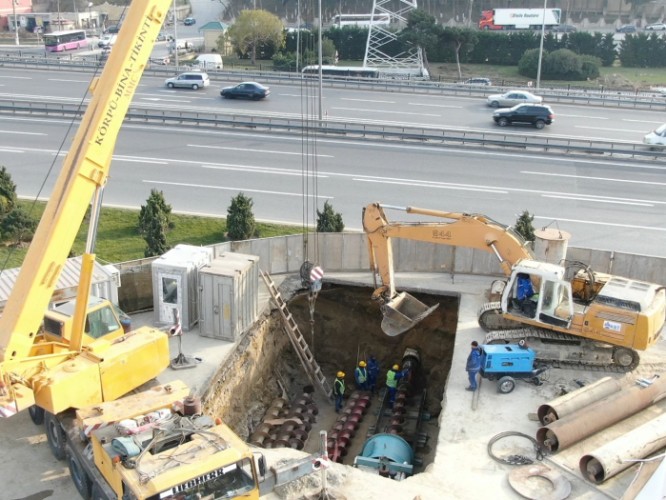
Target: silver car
(191,80)
(657,138)
(513,97)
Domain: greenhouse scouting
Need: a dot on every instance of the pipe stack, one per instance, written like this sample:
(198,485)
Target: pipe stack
(346,425)
(286,425)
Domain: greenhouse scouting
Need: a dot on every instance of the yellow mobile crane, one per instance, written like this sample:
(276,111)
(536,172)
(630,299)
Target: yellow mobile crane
(571,316)
(155,444)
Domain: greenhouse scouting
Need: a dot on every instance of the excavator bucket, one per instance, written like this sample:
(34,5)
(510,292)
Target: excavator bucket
(403,313)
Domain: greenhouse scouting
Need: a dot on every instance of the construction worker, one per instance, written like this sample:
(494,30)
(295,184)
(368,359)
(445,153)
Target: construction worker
(392,377)
(339,390)
(361,376)
(473,365)
(373,373)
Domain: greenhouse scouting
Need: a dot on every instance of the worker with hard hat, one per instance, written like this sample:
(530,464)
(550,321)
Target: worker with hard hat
(392,377)
(339,390)
(373,373)
(361,376)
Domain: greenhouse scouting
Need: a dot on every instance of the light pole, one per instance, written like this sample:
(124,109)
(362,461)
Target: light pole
(543,32)
(14,2)
(89,15)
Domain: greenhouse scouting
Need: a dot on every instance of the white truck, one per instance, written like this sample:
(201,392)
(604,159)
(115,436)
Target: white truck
(513,19)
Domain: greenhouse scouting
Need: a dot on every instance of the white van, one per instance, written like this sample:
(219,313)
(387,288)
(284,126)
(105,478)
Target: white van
(209,61)
(107,41)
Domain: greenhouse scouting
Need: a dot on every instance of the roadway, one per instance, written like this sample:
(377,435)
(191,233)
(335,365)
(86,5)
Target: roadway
(605,205)
(299,99)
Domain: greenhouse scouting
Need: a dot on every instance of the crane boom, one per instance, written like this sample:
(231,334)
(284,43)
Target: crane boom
(85,171)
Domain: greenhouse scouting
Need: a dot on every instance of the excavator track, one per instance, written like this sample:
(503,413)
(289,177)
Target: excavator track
(558,350)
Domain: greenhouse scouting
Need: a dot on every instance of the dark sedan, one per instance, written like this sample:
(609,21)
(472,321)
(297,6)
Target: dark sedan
(246,90)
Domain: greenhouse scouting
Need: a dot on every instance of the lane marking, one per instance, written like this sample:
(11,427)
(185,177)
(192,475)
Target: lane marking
(588,177)
(67,81)
(266,151)
(21,133)
(595,200)
(366,100)
(611,224)
(611,130)
(262,170)
(16,77)
(384,111)
(459,187)
(434,105)
(582,116)
(235,189)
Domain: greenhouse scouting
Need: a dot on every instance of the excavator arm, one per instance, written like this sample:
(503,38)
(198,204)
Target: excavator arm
(401,311)
(84,173)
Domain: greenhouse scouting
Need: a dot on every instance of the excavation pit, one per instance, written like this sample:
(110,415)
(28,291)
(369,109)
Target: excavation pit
(263,383)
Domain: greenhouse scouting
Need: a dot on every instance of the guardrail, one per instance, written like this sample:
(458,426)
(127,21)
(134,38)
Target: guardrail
(359,130)
(653,101)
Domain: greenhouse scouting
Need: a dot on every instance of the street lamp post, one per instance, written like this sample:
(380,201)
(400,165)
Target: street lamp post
(543,32)
(90,15)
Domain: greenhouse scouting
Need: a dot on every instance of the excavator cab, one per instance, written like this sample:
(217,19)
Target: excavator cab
(402,313)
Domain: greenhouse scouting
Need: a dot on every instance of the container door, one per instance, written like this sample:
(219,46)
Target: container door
(224,306)
(170,296)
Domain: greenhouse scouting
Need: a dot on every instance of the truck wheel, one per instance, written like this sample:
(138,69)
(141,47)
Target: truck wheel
(55,435)
(80,477)
(36,414)
(506,385)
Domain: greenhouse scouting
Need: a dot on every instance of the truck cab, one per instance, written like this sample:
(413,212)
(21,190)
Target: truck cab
(104,319)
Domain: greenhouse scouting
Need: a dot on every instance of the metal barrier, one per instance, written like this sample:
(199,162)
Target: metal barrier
(360,130)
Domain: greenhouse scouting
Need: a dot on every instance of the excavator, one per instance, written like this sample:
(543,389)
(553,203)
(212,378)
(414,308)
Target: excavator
(571,315)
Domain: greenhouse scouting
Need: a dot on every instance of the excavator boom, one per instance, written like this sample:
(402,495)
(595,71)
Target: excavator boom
(85,171)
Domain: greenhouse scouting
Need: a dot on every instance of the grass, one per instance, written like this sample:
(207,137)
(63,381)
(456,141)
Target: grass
(118,239)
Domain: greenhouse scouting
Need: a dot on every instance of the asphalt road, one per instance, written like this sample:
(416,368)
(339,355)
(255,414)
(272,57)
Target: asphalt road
(606,205)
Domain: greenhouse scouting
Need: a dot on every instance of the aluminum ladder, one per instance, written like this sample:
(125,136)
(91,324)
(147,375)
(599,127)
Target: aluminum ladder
(312,368)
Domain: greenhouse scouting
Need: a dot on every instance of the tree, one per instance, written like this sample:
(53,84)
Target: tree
(422,30)
(240,219)
(459,39)
(155,205)
(18,226)
(254,28)
(7,192)
(329,221)
(154,223)
(524,226)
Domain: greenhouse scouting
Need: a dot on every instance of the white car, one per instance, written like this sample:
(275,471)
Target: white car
(656,27)
(513,97)
(657,137)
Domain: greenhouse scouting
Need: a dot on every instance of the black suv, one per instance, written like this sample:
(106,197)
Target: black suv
(534,114)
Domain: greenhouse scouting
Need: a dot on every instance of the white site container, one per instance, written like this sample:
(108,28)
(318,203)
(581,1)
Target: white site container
(228,296)
(175,283)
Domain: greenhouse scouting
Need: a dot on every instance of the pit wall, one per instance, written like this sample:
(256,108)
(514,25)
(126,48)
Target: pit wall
(348,252)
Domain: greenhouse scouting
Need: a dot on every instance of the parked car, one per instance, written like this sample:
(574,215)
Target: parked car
(478,81)
(113,30)
(246,90)
(564,28)
(161,37)
(537,115)
(656,27)
(626,28)
(657,137)
(189,21)
(194,80)
(107,41)
(511,98)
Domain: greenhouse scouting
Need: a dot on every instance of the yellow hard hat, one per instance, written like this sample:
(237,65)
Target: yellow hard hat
(341,374)
(396,367)
(361,364)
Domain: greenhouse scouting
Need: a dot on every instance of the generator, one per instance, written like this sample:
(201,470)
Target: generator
(508,362)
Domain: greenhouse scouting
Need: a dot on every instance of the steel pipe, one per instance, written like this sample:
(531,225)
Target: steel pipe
(604,413)
(612,458)
(575,400)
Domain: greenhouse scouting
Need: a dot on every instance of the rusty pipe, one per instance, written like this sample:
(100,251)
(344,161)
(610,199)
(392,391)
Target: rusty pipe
(575,400)
(604,413)
(611,458)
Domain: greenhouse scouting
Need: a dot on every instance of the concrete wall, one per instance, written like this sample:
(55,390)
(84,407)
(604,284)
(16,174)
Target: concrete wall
(348,252)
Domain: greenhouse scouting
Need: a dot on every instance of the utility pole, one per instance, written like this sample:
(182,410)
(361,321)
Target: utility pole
(14,2)
(175,34)
(321,71)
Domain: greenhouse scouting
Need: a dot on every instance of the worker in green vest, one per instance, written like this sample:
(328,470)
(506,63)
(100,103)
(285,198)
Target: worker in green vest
(392,377)
(361,376)
(339,390)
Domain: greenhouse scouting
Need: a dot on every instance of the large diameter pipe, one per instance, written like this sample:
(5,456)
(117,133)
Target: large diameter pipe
(611,458)
(569,403)
(604,413)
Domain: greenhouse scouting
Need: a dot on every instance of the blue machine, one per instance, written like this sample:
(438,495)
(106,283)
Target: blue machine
(389,454)
(507,362)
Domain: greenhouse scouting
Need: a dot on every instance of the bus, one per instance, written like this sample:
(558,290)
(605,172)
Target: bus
(59,41)
(362,20)
(340,72)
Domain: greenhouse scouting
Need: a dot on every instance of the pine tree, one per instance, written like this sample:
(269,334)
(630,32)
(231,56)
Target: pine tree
(7,192)
(524,226)
(154,223)
(240,219)
(329,221)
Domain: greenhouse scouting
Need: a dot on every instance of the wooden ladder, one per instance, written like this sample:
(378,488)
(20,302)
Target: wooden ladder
(312,368)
